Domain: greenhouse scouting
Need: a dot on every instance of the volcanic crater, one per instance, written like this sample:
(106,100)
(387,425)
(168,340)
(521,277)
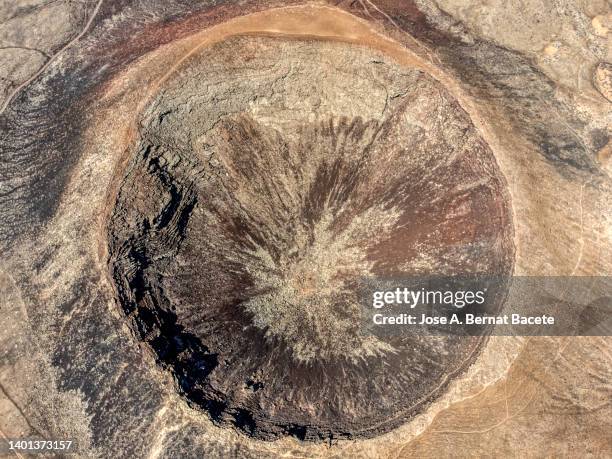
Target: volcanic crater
(259,191)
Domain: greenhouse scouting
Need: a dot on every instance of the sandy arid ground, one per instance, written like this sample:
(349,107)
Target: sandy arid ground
(189,189)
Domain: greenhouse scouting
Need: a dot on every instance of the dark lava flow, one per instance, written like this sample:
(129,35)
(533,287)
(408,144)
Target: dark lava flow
(254,203)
